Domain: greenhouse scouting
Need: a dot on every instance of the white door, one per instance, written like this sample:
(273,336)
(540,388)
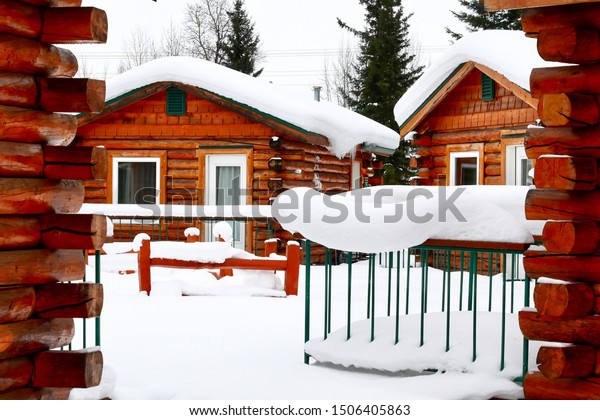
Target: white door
(225,185)
(518,166)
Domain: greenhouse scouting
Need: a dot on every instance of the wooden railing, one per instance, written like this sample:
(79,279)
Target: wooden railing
(290,264)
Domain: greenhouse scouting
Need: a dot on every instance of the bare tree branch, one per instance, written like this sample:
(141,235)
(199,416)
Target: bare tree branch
(139,48)
(206,25)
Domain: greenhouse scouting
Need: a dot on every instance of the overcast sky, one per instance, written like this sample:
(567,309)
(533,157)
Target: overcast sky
(298,36)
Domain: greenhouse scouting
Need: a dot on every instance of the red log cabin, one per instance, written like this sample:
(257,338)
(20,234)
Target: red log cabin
(468,114)
(185,131)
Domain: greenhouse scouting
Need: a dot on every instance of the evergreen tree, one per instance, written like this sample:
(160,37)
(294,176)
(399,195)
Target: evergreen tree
(241,45)
(385,68)
(476,18)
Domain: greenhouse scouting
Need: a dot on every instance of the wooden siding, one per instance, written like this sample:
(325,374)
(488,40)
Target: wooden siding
(145,126)
(465,121)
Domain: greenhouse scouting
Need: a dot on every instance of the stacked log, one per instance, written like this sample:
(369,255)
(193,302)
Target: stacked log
(566,177)
(41,184)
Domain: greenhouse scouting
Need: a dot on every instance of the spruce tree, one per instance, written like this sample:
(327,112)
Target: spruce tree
(241,45)
(385,69)
(475,18)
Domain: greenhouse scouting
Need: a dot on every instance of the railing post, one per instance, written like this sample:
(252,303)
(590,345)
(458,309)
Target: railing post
(144,267)
(292,270)
(98,280)
(349,320)
(307,297)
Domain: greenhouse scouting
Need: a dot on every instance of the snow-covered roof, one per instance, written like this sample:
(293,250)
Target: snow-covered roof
(509,53)
(343,128)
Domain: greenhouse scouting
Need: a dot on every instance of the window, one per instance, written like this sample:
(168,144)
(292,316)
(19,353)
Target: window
(356,175)
(518,166)
(136,180)
(176,102)
(464,168)
(488,88)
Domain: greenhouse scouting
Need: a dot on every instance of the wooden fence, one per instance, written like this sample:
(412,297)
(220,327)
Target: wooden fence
(291,265)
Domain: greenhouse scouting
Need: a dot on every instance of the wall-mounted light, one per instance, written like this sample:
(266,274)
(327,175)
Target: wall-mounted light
(276,164)
(275,142)
(275,184)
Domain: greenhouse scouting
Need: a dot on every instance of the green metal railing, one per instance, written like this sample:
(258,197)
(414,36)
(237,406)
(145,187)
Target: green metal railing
(173,228)
(469,262)
(85,332)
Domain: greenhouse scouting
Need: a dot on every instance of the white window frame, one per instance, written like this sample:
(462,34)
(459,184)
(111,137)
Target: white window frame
(457,155)
(212,161)
(356,174)
(515,154)
(124,159)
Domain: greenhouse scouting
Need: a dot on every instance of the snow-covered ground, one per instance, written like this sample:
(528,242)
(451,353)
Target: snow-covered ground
(242,347)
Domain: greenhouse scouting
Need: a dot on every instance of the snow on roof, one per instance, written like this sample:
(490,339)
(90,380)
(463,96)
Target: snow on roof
(345,129)
(510,53)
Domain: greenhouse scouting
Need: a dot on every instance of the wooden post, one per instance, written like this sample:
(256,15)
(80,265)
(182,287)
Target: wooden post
(16,304)
(538,387)
(224,272)
(33,57)
(562,205)
(73,231)
(568,79)
(39,266)
(40,196)
(68,300)
(575,268)
(34,335)
(569,110)
(575,142)
(31,126)
(569,45)
(292,270)
(19,232)
(74,25)
(567,362)
(568,299)
(144,267)
(566,173)
(270,247)
(15,373)
(568,330)
(68,369)
(571,238)
(37,394)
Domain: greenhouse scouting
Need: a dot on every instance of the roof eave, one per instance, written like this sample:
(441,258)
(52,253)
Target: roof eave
(252,113)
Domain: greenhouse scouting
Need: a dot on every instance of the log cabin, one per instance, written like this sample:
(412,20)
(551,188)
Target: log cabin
(180,130)
(469,112)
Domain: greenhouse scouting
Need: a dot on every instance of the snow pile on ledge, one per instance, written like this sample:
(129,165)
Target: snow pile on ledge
(345,129)
(390,218)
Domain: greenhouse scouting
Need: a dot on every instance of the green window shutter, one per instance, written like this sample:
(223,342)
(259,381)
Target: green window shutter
(488,88)
(175,101)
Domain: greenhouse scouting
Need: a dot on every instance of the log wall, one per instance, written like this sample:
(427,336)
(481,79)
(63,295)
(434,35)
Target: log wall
(464,121)
(40,251)
(566,309)
(144,127)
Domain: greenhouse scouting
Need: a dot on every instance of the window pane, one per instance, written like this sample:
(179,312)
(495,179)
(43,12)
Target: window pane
(466,171)
(137,183)
(228,185)
(526,166)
